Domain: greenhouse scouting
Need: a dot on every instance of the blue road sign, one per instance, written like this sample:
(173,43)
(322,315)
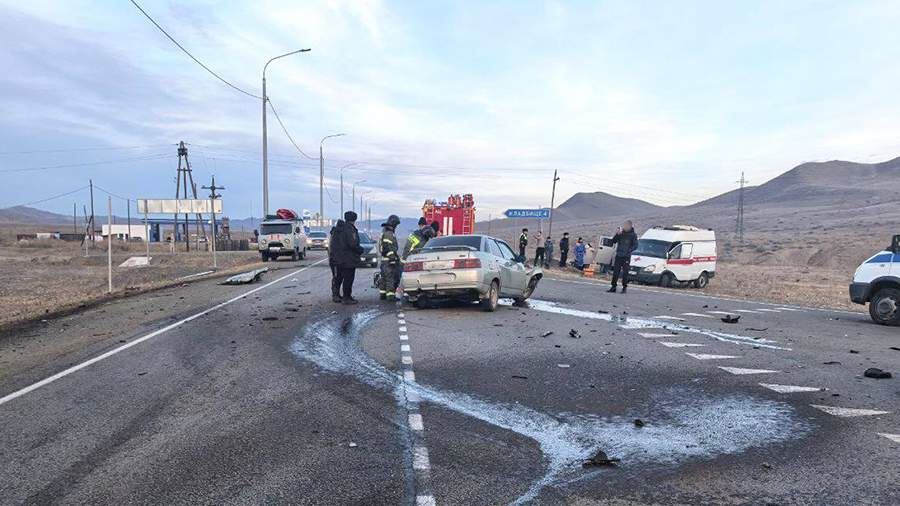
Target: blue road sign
(527,213)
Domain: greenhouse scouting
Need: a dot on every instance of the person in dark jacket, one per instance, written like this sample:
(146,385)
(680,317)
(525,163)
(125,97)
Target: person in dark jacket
(390,259)
(523,242)
(335,272)
(548,251)
(626,242)
(346,252)
(564,249)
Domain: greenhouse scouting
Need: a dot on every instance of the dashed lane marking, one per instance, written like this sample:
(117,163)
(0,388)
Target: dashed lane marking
(98,358)
(420,458)
(673,318)
(893,437)
(706,356)
(409,376)
(680,345)
(415,422)
(404,348)
(848,412)
(404,337)
(406,359)
(402,329)
(425,500)
(421,465)
(789,389)
(699,315)
(741,370)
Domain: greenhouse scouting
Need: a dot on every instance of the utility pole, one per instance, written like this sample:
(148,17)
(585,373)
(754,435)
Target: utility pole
(369,219)
(552,201)
(74,219)
(342,192)
(184,176)
(322,177)
(109,243)
(129,220)
(91,182)
(740,216)
(212,211)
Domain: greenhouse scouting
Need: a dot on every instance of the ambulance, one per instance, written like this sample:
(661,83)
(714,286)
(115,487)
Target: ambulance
(877,282)
(675,255)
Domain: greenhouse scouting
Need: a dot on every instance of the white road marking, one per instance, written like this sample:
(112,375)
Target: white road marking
(406,359)
(697,315)
(768,310)
(848,412)
(893,437)
(401,315)
(746,311)
(706,356)
(404,337)
(409,376)
(680,345)
(420,458)
(673,318)
(740,370)
(788,309)
(720,312)
(402,329)
(415,422)
(401,321)
(404,347)
(425,500)
(651,335)
(98,358)
(789,389)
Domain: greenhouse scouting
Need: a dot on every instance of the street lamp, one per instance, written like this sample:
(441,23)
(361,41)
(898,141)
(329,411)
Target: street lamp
(351,164)
(322,176)
(264,134)
(361,199)
(354,195)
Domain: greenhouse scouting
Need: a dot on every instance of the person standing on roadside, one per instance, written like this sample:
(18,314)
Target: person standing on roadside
(539,250)
(523,243)
(334,240)
(580,250)
(346,255)
(564,250)
(626,242)
(548,251)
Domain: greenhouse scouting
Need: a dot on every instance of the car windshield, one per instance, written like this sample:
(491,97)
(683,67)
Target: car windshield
(652,248)
(317,235)
(364,237)
(274,228)
(450,241)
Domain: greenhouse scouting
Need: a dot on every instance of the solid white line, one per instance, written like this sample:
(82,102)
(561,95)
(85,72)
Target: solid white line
(140,340)
(404,337)
(404,347)
(664,317)
(415,422)
(680,345)
(739,370)
(745,311)
(420,458)
(848,412)
(425,500)
(409,376)
(788,309)
(719,312)
(406,359)
(189,276)
(789,389)
(651,335)
(769,310)
(696,314)
(893,437)
(705,356)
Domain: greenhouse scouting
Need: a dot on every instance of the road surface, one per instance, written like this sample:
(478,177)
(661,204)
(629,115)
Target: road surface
(270,393)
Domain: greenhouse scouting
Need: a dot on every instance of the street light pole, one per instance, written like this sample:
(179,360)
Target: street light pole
(354,196)
(552,199)
(322,176)
(265,140)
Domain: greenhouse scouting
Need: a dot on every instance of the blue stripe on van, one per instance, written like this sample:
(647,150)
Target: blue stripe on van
(884,258)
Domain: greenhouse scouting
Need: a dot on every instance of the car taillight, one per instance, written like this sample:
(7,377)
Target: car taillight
(466,263)
(413,266)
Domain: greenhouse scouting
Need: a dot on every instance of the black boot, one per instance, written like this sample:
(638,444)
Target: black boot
(624,289)
(336,298)
(613,289)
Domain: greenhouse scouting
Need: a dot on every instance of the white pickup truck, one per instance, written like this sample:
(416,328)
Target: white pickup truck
(280,237)
(877,282)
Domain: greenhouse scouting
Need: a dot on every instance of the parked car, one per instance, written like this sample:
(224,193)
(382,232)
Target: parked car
(669,256)
(468,268)
(877,283)
(318,239)
(369,258)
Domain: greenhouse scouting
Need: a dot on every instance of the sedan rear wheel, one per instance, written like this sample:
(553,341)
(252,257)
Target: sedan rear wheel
(489,303)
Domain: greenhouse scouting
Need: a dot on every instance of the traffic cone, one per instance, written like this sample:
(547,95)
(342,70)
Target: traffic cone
(589,271)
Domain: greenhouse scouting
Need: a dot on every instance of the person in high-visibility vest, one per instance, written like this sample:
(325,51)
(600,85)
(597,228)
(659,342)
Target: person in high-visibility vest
(417,239)
(390,259)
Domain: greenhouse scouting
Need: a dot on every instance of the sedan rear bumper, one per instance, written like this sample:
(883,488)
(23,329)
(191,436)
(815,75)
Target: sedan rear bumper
(451,284)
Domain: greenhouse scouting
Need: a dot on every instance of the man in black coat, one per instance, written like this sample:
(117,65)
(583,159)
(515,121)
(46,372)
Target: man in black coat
(345,253)
(564,249)
(335,272)
(626,242)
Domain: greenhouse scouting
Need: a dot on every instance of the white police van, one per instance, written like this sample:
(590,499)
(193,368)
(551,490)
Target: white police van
(877,281)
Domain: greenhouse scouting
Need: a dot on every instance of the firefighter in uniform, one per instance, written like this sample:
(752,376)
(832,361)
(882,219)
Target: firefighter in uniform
(390,259)
(417,239)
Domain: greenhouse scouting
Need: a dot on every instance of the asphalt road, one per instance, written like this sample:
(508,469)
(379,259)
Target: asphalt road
(270,393)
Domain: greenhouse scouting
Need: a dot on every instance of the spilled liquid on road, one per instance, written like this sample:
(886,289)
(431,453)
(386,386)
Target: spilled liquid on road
(696,426)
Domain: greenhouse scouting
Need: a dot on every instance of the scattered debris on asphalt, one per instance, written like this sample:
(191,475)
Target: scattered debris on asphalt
(751,329)
(574,333)
(516,376)
(831,362)
(547,334)
(270,318)
(876,373)
(853,351)
(498,324)
(352,444)
(245,278)
(600,459)
(602,311)
(563,366)
(638,422)
(731,318)
(895,348)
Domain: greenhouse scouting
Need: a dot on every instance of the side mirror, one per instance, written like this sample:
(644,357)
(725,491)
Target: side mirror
(895,244)
(297,230)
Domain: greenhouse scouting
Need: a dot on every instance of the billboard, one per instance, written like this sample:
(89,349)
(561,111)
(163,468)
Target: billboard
(177,206)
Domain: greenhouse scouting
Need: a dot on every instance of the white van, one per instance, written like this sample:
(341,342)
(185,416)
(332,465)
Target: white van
(877,282)
(668,256)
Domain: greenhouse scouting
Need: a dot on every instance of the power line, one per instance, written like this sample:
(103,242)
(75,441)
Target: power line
(48,198)
(111,193)
(70,150)
(87,164)
(277,117)
(217,76)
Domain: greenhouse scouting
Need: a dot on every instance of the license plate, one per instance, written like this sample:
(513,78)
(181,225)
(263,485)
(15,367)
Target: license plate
(274,248)
(439,265)
(632,272)
(362,258)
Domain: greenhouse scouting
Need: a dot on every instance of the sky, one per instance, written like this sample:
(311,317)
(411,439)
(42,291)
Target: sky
(662,101)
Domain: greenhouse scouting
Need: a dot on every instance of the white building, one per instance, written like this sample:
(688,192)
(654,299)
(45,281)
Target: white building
(120,231)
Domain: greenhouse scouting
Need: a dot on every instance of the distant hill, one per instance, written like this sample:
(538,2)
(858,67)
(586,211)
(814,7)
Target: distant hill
(32,216)
(600,204)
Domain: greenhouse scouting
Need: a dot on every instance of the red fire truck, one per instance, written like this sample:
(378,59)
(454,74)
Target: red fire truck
(455,216)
